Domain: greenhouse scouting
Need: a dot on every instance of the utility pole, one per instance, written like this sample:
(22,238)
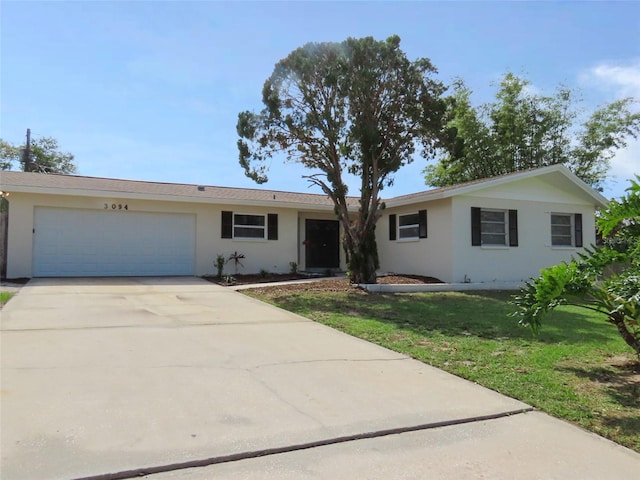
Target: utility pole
(27,152)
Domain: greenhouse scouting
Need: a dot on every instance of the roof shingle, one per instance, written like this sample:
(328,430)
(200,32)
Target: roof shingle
(210,193)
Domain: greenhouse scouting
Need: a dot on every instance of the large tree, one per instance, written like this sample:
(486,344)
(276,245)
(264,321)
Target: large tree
(44,157)
(522,130)
(359,106)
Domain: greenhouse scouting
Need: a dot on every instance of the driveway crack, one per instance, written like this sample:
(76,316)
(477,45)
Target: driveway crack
(330,360)
(235,457)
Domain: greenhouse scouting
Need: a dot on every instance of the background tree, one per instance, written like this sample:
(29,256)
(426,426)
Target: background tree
(522,130)
(8,154)
(45,157)
(606,279)
(358,107)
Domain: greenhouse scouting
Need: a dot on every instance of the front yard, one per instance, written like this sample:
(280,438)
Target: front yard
(5,297)
(578,368)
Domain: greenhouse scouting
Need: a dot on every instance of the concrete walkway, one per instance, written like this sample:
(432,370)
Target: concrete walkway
(115,378)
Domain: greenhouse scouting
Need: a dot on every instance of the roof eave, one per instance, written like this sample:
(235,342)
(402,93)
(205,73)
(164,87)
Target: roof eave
(167,197)
(419,198)
(599,200)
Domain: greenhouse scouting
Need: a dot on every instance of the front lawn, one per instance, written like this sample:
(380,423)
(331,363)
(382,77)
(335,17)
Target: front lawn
(577,369)
(5,297)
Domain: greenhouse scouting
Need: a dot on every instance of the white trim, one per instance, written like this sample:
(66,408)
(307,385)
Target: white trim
(599,200)
(408,240)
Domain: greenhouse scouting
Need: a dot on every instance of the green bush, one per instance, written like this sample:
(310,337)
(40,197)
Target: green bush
(219,264)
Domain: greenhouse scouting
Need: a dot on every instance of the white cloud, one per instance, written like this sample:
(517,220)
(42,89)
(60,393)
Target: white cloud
(623,80)
(619,81)
(624,166)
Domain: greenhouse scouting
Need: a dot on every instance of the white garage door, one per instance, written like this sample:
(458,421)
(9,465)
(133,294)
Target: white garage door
(76,243)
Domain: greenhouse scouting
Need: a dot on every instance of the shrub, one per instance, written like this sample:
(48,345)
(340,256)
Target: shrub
(219,264)
(237,260)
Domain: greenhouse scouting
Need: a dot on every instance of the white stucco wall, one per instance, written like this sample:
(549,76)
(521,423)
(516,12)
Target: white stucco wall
(271,255)
(446,253)
(431,256)
(534,200)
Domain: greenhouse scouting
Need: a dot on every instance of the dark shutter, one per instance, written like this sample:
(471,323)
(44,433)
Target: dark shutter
(272,226)
(577,220)
(513,228)
(476,237)
(227,225)
(422,218)
(392,227)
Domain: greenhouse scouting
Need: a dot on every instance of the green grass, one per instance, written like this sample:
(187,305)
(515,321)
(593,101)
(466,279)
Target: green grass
(5,297)
(578,368)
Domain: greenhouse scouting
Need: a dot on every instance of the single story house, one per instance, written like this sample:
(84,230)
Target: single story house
(502,229)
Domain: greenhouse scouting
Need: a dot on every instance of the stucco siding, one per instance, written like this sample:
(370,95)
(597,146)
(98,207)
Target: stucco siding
(430,256)
(19,237)
(446,252)
(554,190)
(271,255)
(534,250)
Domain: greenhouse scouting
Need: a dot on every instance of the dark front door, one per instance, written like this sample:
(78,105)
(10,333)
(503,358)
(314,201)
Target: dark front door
(322,240)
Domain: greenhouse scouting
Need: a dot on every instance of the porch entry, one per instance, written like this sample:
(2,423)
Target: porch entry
(322,244)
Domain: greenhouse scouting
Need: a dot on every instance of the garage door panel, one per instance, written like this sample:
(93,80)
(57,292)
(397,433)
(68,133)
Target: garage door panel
(70,242)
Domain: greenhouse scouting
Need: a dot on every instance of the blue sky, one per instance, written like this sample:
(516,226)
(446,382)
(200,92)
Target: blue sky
(151,90)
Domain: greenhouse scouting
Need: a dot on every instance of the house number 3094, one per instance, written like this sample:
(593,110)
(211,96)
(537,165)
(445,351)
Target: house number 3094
(116,206)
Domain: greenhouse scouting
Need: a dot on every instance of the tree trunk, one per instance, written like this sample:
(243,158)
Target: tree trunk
(617,318)
(363,258)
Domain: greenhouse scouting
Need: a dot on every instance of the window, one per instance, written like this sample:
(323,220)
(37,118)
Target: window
(566,230)
(494,227)
(248,226)
(561,231)
(243,225)
(410,226)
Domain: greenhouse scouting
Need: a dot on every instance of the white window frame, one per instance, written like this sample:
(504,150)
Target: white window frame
(571,227)
(505,222)
(403,228)
(263,227)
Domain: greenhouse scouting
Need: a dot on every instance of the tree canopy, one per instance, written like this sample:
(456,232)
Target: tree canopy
(605,279)
(360,107)
(521,130)
(45,157)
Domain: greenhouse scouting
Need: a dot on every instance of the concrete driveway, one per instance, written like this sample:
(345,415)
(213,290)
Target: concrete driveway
(116,378)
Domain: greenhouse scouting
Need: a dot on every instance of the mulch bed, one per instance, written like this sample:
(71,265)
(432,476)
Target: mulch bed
(325,284)
(252,279)
(407,279)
